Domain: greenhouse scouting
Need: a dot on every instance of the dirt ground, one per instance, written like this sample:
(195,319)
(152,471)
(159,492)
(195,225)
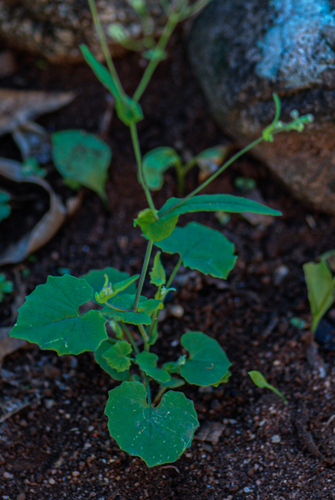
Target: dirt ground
(250,445)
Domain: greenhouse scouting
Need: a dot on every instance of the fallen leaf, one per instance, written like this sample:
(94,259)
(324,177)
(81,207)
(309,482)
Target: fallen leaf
(46,228)
(20,106)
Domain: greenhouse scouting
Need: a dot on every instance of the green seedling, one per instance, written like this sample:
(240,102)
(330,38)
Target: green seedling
(5,209)
(320,282)
(82,159)
(245,184)
(157,161)
(146,415)
(259,380)
(6,286)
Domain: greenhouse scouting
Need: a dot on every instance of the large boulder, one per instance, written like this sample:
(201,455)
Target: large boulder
(54,29)
(243,51)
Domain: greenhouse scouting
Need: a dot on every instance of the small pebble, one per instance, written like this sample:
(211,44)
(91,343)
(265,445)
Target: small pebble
(177,311)
(247,489)
(48,403)
(51,481)
(8,475)
(275,439)
(75,473)
(21,496)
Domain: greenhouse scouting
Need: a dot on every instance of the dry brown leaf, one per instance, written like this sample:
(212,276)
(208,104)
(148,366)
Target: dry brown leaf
(20,106)
(45,229)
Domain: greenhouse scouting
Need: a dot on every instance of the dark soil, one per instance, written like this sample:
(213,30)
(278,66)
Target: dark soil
(57,445)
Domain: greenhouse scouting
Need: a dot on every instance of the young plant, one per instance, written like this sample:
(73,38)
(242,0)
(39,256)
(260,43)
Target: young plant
(320,286)
(146,416)
(6,286)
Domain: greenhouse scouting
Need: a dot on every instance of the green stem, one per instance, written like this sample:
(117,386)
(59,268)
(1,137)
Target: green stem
(144,336)
(130,338)
(148,388)
(154,322)
(174,272)
(137,151)
(143,273)
(168,30)
(104,46)
(159,395)
(216,174)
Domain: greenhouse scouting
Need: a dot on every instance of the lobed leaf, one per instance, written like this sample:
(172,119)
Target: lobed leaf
(158,435)
(50,317)
(99,358)
(82,158)
(117,356)
(201,248)
(147,361)
(320,286)
(156,162)
(207,363)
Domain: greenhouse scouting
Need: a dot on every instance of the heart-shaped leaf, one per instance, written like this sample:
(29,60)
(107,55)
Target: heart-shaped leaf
(158,435)
(83,158)
(50,317)
(155,163)
(147,362)
(103,347)
(201,248)
(117,356)
(155,230)
(207,363)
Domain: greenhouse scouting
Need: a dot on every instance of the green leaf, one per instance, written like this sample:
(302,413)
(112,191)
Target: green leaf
(128,111)
(96,279)
(156,162)
(147,362)
(82,157)
(155,230)
(174,383)
(213,203)
(158,435)
(201,248)
(5,209)
(100,71)
(320,286)
(109,290)
(207,363)
(157,275)
(99,358)
(224,379)
(117,356)
(50,317)
(6,286)
(126,301)
(259,380)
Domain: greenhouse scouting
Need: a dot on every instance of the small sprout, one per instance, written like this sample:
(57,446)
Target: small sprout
(259,380)
(6,286)
(245,184)
(298,323)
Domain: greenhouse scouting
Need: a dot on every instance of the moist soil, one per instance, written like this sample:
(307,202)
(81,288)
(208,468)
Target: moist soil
(54,441)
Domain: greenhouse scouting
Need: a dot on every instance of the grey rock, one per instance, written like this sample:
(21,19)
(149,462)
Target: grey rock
(242,52)
(54,28)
